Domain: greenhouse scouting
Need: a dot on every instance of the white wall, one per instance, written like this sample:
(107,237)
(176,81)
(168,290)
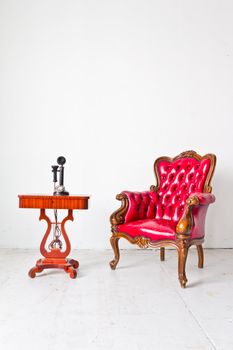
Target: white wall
(111,85)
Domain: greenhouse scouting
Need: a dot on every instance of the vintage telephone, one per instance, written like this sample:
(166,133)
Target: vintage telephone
(59,188)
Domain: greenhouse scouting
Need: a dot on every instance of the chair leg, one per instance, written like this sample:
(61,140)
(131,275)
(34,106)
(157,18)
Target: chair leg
(162,253)
(200,256)
(182,257)
(114,243)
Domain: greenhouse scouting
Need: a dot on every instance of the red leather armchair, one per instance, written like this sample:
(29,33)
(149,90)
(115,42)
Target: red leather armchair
(172,213)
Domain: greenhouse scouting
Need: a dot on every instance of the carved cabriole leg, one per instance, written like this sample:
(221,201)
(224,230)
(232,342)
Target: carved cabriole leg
(200,256)
(114,243)
(183,247)
(162,253)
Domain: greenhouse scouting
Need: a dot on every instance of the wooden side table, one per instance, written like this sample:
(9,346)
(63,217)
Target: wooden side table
(54,255)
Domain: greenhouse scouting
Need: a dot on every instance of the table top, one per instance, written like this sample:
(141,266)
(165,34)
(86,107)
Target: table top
(44,201)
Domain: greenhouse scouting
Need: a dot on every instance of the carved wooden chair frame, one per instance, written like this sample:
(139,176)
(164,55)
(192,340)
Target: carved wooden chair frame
(183,240)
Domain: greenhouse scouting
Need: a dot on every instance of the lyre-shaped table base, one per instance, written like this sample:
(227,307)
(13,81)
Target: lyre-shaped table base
(55,258)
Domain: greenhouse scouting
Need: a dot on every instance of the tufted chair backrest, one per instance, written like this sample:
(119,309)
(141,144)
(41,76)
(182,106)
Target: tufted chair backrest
(178,178)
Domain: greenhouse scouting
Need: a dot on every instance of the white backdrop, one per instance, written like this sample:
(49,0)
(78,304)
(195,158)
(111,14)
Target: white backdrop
(111,85)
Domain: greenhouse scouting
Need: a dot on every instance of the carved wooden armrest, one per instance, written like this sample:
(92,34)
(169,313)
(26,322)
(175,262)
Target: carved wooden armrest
(134,206)
(186,222)
(203,198)
(118,216)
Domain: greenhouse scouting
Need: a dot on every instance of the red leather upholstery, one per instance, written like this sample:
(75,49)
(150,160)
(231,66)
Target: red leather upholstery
(154,229)
(178,181)
(142,205)
(156,214)
(199,213)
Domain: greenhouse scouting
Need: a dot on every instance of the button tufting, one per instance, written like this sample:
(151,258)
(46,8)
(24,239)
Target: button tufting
(178,180)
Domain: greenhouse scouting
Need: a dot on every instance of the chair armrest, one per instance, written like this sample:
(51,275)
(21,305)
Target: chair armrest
(190,219)
(135,206)
(201,198)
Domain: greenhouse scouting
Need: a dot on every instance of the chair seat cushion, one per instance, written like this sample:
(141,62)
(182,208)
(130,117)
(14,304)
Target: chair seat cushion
(154,229)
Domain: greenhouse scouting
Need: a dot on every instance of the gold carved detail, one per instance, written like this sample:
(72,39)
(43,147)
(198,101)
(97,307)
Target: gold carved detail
(142,242)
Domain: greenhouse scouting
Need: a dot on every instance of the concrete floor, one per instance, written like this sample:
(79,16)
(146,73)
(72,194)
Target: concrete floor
(139,306)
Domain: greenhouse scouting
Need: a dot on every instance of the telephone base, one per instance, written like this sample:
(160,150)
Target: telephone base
(63,193)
